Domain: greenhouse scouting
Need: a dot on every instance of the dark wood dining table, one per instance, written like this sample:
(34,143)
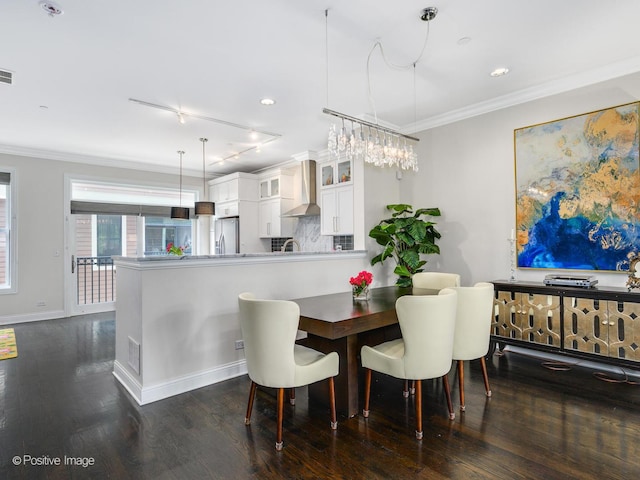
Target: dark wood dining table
(337,323)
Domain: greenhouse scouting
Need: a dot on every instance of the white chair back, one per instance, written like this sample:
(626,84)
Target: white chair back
(473,321)
(269,329)
(435,280)
(427,323)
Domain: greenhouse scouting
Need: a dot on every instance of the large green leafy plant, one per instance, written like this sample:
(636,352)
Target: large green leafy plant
(404,237)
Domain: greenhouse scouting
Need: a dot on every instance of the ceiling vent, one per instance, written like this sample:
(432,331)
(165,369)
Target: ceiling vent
(6,77)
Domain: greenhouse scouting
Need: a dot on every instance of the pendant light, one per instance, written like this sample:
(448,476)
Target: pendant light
(180,212)
(204,208)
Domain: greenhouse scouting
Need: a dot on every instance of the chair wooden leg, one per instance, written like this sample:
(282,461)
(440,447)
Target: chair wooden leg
(332,402)
(279,419)
(405,390)
(483,364)
(252,395)
(461,383)
(447,394)
(418,400)
(292,396)
(367,392)
(412,390)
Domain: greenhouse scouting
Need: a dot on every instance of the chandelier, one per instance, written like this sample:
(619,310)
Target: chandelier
(375,144)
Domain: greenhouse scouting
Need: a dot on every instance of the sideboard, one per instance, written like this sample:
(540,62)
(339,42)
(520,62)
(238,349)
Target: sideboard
(598,323)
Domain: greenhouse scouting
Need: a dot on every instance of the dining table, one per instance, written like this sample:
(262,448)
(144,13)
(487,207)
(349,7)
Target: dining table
(339,323)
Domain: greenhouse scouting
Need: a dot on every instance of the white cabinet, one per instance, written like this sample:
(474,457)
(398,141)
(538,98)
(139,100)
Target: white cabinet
(228,209)
(271,222)
(335,173)
(336,210)
(276,197)
(236,186)
(270,187)
(276,185)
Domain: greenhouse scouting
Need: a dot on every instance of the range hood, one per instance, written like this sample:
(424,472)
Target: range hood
(308,193)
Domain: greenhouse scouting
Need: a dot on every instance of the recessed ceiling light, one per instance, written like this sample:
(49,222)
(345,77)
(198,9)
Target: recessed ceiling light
(267,101)
(499,72)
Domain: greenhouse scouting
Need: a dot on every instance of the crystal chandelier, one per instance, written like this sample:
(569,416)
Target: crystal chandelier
(375,144)
(380,146)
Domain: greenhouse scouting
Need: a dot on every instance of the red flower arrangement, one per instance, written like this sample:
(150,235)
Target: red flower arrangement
(173,250)
(361,282)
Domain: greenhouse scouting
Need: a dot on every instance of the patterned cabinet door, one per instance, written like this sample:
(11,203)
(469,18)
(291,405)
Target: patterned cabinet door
(624,330)
(527,316)
(506,321)
(586,325)
(540,318)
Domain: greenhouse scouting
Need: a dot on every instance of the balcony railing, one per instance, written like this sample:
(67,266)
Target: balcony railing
(95,279)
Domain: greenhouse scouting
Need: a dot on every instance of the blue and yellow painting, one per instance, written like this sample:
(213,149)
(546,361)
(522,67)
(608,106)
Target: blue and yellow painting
(578,191)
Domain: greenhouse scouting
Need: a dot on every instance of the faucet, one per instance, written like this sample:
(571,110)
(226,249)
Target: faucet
(291,240)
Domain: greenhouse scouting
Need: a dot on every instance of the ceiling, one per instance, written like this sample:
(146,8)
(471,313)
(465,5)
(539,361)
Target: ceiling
(74,74)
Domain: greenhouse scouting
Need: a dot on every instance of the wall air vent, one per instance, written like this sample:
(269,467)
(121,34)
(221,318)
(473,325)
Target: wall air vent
(6,77)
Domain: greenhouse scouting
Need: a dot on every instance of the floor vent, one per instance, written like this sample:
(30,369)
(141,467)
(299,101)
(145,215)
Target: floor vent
(6,77)
(134,355)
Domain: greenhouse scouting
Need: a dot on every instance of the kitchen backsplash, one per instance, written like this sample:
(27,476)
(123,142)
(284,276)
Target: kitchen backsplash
(307,233)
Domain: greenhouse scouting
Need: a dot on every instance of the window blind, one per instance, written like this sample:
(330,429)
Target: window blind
(103,208)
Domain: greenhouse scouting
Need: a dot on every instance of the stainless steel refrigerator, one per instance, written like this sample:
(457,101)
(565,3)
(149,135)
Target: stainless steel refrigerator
(226,232)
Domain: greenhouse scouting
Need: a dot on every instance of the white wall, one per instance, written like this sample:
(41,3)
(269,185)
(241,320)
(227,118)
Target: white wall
(40,230)
(467,170)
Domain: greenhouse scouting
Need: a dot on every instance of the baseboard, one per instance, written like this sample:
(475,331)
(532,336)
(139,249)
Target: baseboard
(31,317)
(127,381)
(144,395)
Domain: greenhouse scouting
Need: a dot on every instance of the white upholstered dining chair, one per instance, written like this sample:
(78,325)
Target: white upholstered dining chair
(473,329)
(435,280)
(430,281)
(425,351)
(269,329)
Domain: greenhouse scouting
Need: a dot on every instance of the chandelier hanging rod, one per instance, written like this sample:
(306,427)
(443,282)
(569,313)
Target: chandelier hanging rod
(368,124)
(202,117)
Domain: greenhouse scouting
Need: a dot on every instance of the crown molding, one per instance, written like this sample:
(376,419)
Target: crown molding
(554,87)
(94,160)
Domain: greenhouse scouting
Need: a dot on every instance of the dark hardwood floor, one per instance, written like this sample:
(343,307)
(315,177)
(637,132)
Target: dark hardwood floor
(59,398)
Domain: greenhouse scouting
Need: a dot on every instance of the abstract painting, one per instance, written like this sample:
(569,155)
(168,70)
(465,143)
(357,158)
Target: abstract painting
(578,191)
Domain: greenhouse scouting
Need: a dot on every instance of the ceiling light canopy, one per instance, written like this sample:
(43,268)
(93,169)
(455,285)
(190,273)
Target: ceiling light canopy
(51,8)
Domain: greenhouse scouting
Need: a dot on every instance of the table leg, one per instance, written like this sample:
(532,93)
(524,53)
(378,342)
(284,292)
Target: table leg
(346,383)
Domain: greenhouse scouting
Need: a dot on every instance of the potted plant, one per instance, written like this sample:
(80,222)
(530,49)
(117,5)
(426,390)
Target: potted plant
(404,237)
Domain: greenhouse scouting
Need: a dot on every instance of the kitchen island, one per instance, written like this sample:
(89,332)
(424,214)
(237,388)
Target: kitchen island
(177,317)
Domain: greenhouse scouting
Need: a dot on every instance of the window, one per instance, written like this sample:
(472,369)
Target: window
(108,235)
(119,219)
(160,232)
(7,239)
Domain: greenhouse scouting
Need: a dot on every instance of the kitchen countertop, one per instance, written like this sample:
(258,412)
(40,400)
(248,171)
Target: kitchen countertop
(258,257)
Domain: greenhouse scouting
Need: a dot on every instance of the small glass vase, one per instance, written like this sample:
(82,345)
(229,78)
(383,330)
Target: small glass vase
(361,294)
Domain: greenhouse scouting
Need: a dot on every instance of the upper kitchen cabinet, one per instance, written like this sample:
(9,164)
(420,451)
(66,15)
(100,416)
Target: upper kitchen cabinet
(276,198)
(336,198)
(234,187)
(276,184)
(335,172)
